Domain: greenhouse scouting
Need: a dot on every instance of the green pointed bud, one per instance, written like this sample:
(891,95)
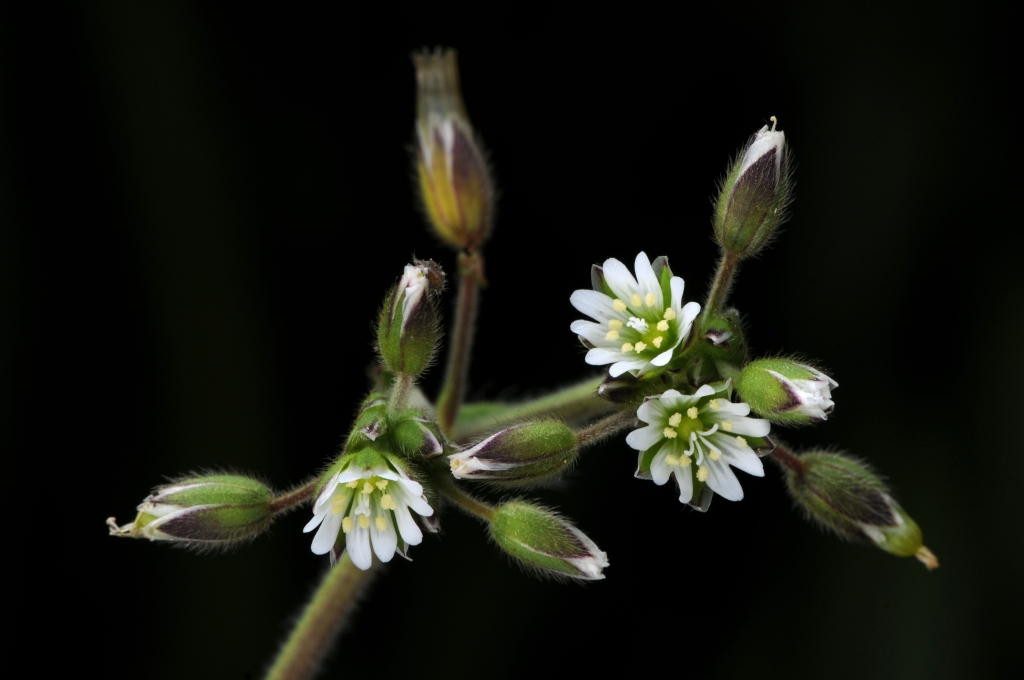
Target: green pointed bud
(523,453)
(786,391)
(723,345)
(370,422)
(203,510)
(415,435)
(754,194)
(455,185)
(408,333)
(541,540)
(844,495)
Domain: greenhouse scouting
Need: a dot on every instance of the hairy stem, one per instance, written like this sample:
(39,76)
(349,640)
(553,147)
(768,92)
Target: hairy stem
(574,403)
(399,392)
(471,504)
(605,427)
(722,284)
(787,459)
(471,267)
(321,622)
(292,499)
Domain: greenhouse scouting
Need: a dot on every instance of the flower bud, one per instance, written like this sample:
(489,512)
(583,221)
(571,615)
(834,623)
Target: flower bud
(754,194)
(207,510)
(455,185)
(523,453)
(845,496)
(415,435)
(541,540)
(408,332)
(785,391)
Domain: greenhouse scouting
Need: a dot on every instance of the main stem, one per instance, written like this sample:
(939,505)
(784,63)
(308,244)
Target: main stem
(314,635)
(723,282)
(454,389)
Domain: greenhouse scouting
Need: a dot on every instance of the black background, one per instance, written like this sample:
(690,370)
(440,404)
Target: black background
(201,208)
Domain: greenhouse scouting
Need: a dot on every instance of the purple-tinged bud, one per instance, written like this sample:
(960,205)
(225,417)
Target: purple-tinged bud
(785,391)
(407,333)
(754,194)
(454,182)
(521,454)
(543,541)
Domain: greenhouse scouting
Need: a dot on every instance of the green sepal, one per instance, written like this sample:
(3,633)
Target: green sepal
(521,454)
(543,541)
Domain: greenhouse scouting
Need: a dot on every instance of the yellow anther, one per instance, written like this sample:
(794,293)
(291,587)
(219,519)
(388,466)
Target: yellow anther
(669,433)
(353,484)
(615,324)
(670,314)
(619,306)
(650,299)
(714,405)
(691,413)
(387,502)
(741,441)
(702,473)
(662,326)
(367,487)
(657,341)
(338,504)
(727,425)
(382,484)
(684,461)
(635,300)
(381,523)
(671,460)
(675,419)
(611,335)
(640,347)
(627,347)
(456,463)
(714,454)
(346,524)
(364,521)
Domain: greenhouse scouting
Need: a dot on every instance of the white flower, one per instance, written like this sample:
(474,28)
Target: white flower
(811,396)
(639,321)
(365,500)
(414,282)
(698,436)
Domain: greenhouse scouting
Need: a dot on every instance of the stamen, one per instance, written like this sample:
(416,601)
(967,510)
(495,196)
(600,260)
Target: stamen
(741,441)
(615,324)
(684,461)
(619,306)
(338,504)
(650,299)
(669,433)
(691,413)
(353,484)
(714,454)
(381,523)
(714,405)
(702,473)
(675,419)
(364,521)
(382,484)
(456,464)
(657,341)
(627,347)
(662,325)
(388,503)
(346,524)
(640,347)
(611,335)
(635,300)
(671,460)
(670,314)
(367,487)
(775,121)
(727,425)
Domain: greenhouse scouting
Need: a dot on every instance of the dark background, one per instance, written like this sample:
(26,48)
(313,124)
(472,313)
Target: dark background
(201,208)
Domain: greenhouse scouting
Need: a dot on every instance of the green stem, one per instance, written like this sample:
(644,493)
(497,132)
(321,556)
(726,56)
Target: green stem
(471,504)
(321,622)
(787,459)
(723,282)
(605,427)
(453,392)
(399,392)
(290,500)
(574,403)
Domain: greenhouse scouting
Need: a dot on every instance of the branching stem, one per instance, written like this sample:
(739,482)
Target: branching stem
(292,499)
(471,504)
(787,459)
(605,427)
(471,276)
(727,267)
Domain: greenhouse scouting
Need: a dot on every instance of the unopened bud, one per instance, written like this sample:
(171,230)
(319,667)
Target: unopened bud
(206,510)
(754,194)
(455,185)
(845,496)
(785,391)
(407,332)
(523,453)
(415,435)
(540,539)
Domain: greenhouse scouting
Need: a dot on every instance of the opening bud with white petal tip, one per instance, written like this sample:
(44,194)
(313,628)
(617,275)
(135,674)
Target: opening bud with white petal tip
(543,541)
(754,195)
(786,391)
(455,185)
(845,496)
(407,332)
(206,510)
(521,454)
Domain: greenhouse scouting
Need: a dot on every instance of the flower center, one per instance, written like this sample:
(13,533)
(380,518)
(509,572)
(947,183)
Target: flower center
(647,332)
(362,501)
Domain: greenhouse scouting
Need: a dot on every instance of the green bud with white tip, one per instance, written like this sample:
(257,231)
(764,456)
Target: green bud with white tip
(845,496)
(520,454)
(541,540)
(786,391)
(407,331)
(210,509)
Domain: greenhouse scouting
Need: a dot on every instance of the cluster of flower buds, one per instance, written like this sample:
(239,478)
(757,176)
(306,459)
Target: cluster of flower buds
(541,540)
(407,331)
(521,454)
(204,511)
(845,496)
(455,186)
(786,391)
(754,195)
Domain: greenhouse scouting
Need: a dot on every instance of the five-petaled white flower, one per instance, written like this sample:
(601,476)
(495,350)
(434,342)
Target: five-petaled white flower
(639,321)
(365,500)
(696,438)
